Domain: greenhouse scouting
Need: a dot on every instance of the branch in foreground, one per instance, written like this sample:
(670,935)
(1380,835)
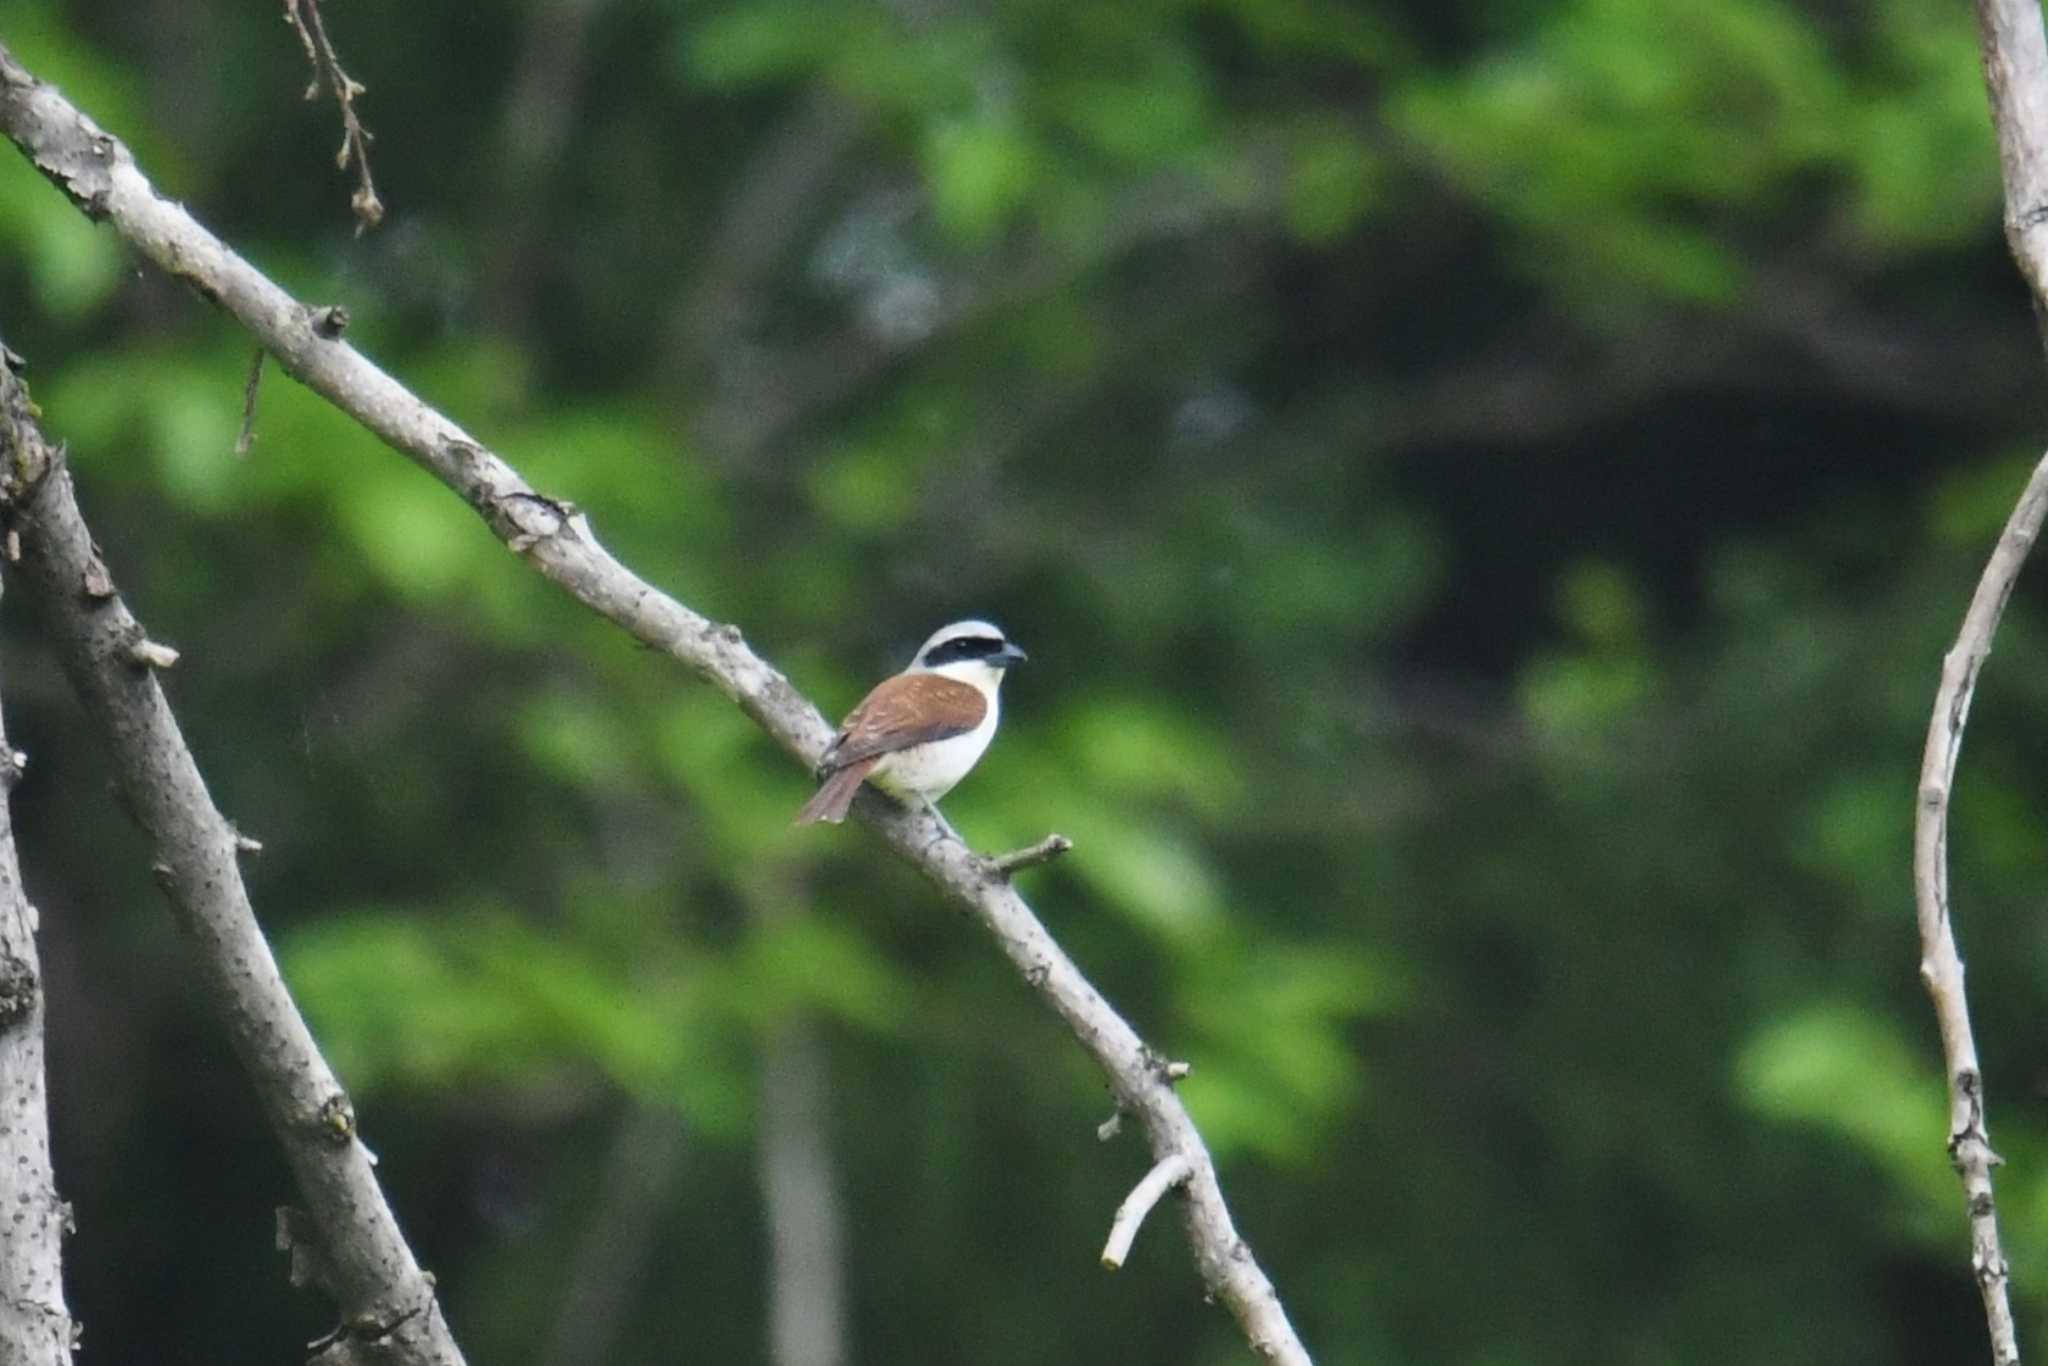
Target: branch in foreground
(347,1241)
(99,174)
(35,1326)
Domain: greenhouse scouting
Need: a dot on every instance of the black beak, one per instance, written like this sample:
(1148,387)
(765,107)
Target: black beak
(1007,656)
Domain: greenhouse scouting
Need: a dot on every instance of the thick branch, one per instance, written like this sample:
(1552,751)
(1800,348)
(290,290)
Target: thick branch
(347,1240)
(35,1326)
(99,174)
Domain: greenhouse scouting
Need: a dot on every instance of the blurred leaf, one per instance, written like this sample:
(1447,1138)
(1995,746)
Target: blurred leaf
(1846,1071)
(1275,1067)
(1602,604)
(863,489)
(1141,749)
(1574,696)
(981,171)
(1333,178)
(809,963)
(1970,506)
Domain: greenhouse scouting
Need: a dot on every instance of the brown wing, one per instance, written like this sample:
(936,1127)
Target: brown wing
(909,709)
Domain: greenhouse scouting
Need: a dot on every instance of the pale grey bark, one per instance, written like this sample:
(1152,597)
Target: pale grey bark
(2015,54)
(35,1326)
(1941,966)
(346,1239)
(99,174)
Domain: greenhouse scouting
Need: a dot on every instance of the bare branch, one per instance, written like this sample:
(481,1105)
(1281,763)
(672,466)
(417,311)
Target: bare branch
(35,1326)
(2015,56)
(304,17)
(100,175)
(1166,1173)
(347,1240)
(1941,967)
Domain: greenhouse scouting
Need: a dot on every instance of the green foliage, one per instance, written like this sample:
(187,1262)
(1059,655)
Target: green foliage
(1613,159)
(1848,1070)
(1483,598)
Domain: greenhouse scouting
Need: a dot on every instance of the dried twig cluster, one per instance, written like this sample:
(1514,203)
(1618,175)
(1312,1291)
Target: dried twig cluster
(304,17)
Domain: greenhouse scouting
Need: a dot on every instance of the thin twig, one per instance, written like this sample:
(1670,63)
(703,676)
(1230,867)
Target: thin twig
(1941,967)
(100,175)
(347,1239)
(1166,1173)
(304,17)
(2015,56)
(246,438)
(1045,851)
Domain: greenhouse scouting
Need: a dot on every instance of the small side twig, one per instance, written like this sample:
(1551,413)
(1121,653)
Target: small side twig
(1168,1172)
(247,436)
(304,17)
(1045,851)
(152,654)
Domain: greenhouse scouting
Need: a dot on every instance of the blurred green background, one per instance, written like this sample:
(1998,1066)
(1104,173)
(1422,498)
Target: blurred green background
(1485,487)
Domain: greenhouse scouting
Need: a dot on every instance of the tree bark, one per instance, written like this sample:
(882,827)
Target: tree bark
(35,1327)
(346,1240)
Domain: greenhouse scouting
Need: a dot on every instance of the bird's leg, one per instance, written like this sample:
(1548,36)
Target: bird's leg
(946,829)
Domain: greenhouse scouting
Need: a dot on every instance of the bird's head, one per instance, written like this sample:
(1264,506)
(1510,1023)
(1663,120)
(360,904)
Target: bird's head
(971,651)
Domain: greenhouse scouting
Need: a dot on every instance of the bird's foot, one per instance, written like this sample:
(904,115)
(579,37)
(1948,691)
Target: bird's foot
(945,831)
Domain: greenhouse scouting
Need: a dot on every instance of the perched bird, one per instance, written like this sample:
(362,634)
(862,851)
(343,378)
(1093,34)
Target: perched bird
(918,733)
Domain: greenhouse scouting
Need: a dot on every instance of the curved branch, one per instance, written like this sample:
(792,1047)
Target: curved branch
(100,175)
(2015,54)
(1941,966)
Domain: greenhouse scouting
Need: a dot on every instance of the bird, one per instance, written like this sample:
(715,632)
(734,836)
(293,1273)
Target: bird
(917,733)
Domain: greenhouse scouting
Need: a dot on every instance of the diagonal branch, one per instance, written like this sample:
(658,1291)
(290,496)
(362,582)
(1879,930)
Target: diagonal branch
(347,1240)
(100,175)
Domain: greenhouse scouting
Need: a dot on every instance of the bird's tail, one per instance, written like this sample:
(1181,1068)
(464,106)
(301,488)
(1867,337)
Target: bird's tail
(833,799)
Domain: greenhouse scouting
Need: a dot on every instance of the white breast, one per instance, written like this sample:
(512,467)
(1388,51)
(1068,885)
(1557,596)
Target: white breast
(931,770)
